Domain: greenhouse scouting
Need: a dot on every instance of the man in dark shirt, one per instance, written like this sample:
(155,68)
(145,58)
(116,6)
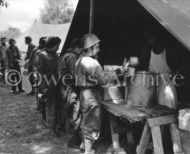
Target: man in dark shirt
(31,47)
(69,109)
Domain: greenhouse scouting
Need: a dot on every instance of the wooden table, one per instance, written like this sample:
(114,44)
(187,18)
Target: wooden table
(154,116)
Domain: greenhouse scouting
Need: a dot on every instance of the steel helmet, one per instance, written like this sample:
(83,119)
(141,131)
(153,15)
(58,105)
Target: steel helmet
(90,40)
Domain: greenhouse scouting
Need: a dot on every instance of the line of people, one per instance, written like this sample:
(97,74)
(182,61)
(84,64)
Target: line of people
(71,105)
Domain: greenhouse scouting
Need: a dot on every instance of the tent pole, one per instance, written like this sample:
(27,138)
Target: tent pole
(91,20)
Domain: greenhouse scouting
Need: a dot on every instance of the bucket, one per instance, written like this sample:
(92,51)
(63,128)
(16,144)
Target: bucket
(142,89)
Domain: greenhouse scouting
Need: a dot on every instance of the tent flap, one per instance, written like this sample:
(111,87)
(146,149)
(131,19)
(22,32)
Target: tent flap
(171,17)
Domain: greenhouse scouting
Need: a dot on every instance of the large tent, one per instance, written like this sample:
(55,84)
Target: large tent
(121,25)
(38,30)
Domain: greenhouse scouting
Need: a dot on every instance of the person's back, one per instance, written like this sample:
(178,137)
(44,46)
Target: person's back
(36,51)
(47,63)
(90,71)
(66,64)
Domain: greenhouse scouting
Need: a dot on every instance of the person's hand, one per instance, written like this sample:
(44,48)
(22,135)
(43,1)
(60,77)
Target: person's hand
(125,65)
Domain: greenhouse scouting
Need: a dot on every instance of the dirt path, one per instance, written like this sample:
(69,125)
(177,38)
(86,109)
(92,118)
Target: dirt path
(21,130)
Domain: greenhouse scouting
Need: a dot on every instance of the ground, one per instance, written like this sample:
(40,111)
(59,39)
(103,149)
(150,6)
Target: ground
(21,130)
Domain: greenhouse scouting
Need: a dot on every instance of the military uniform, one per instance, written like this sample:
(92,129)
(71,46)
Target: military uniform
(3,60)
(13,55)
(69,110)
(29,57)
(46,64)
(90,97)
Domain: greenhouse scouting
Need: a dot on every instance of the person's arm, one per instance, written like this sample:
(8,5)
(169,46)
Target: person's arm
(102,77)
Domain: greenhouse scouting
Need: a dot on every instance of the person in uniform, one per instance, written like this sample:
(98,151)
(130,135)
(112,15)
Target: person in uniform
(3,57)
(31,47)
(90,77)
(69,105)
(46,64)
(34,54)
(13,55)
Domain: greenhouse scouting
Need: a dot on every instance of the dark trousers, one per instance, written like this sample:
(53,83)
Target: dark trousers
(17,78)
(41,104)
(68,111)
(31,79)
(2,70)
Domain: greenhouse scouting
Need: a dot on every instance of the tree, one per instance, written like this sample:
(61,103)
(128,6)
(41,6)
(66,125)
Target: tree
(56,12)
(3,3)
(11,32)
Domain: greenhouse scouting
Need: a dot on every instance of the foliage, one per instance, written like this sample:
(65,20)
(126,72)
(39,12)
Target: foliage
(3,3)
(56,12)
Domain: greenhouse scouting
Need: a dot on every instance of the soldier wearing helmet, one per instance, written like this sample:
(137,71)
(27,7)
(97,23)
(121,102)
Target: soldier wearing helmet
(91,71)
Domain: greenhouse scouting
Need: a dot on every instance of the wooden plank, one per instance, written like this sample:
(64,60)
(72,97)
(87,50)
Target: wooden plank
(114,133)
(162,120)
(141,149)
(157,140)
(156,111)
(124,111)
(177,146)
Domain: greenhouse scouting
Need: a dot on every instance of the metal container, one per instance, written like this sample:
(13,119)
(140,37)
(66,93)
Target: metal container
(142,89)
(115,94)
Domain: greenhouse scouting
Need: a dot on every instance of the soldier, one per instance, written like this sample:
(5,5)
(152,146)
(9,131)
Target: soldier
(91,71)
(31,47)
(69,105)
(46,64)
(3,57)
(13,55)
(34,53)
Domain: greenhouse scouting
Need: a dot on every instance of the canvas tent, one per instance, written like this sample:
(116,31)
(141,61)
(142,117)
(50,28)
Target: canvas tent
(38,30)
(173,15)
(121,25)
